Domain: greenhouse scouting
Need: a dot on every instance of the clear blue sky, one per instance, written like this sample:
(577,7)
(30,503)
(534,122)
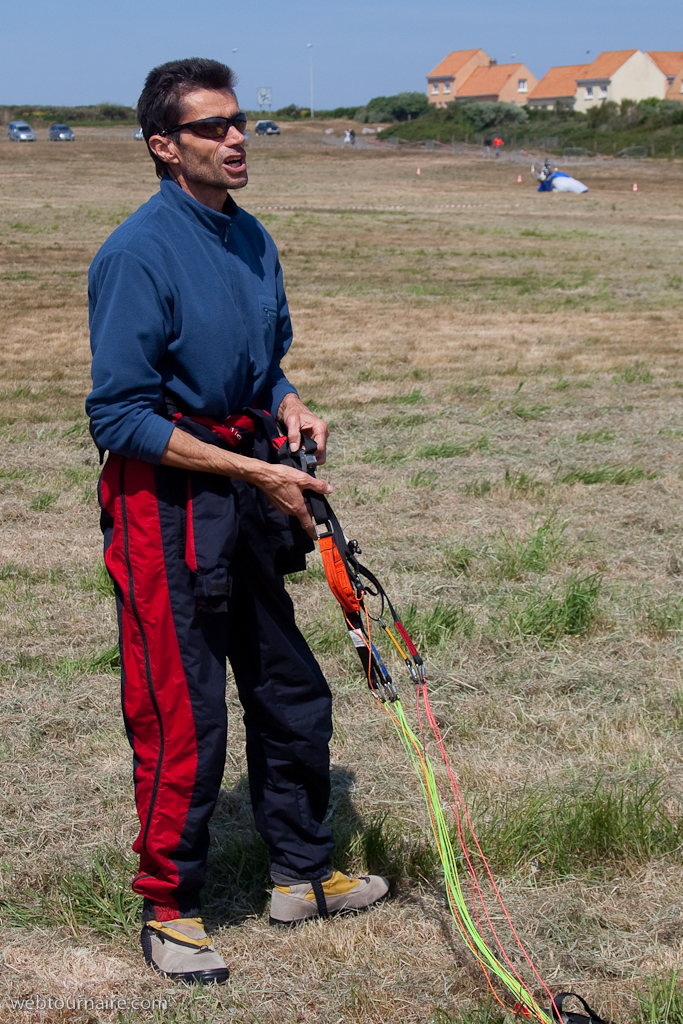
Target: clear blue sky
(87,52)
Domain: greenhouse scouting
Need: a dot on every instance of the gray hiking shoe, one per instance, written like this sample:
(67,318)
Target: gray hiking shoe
(181,950)
(291,904)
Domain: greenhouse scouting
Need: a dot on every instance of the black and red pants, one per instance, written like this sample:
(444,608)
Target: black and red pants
(197,566)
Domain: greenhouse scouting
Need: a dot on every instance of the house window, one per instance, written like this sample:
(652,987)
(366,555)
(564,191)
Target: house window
(446,86)
(521,85)
(603,92)
(435,88)
(589,92)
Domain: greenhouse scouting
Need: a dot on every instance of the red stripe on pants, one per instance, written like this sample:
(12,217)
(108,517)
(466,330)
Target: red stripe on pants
(156,699)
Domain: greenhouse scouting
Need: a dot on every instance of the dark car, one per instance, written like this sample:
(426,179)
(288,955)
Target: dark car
(60,133)
(266,128)
(19,131)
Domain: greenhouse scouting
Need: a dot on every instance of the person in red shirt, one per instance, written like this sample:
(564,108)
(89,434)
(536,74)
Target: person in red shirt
(497,143)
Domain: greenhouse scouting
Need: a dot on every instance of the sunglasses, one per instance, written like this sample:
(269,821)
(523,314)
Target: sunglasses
(211,127)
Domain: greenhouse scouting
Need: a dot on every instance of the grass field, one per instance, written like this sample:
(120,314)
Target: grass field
(503,376)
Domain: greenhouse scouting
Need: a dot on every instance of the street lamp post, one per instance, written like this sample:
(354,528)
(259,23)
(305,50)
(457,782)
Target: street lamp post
(310,54)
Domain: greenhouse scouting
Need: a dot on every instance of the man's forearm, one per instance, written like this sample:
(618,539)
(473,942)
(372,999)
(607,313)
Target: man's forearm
(283,485)
(184,451)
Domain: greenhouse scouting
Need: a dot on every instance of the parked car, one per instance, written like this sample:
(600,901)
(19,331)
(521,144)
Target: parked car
(60,133)
(138,135)
(266,128)
(19,131)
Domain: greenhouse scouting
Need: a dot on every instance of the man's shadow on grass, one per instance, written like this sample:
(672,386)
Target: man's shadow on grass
(238,877)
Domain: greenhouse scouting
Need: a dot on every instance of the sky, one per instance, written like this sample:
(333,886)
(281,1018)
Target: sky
(79,52)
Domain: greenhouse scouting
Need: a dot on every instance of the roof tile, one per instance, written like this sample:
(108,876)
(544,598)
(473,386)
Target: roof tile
(668,61)
(606,64)
(488,81)
(451,64)
(558,82)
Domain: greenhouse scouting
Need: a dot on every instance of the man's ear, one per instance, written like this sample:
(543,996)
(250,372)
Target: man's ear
(164,148)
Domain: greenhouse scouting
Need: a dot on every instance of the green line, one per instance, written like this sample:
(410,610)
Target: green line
(456,900)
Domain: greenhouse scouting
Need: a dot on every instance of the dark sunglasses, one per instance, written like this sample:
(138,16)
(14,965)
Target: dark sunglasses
(211,127)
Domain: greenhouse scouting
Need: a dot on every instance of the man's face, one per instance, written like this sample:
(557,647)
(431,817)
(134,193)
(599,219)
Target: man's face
(210,164)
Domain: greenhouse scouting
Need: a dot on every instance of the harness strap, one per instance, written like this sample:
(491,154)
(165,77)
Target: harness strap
(575,1018)
(337,575)
(319,894)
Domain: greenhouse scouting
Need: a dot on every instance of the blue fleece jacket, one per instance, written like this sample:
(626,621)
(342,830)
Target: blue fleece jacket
(191,302)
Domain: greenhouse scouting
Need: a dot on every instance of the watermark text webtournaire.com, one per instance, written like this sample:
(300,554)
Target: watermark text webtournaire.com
(111,1002)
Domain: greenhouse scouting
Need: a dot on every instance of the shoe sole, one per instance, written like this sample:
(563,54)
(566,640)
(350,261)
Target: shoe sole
(216,977)
(333,913)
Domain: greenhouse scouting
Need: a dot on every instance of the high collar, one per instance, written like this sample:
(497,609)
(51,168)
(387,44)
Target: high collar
(219,223)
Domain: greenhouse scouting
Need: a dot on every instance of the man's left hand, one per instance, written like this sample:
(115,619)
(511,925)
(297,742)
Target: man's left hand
(297,420)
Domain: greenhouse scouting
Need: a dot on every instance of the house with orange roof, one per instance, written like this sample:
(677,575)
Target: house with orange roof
(557,88)
(619,75)
(445,81)
(504,83)
(671,63)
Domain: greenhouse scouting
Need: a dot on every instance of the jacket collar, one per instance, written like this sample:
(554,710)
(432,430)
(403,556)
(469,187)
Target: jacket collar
(211,220)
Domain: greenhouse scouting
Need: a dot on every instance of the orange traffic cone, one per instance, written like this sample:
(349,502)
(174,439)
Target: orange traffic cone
(635,186)
(519,179)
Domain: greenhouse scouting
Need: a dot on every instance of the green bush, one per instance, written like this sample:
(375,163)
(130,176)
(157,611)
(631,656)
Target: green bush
(402,107)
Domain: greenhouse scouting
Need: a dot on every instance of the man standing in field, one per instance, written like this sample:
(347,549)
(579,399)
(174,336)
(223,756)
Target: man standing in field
(189,323)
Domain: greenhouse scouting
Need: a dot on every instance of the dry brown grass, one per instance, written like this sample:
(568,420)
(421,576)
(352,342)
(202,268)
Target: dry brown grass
(541,335)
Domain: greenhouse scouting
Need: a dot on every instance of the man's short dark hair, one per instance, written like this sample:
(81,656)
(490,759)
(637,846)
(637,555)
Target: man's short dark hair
(161,98)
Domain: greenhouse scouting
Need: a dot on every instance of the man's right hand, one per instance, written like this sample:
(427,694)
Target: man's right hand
(284,487)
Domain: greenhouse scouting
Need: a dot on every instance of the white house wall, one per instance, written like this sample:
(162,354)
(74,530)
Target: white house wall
(638,78)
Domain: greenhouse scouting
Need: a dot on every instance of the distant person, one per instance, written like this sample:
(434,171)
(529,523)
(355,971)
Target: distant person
(497,143)
(352,137)
(347,137)
(189,322)
(488,142)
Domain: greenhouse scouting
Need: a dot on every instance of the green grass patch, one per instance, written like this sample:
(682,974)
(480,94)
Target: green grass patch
(530,412)
(522,482)
(608,475)
(108,660)
(539,549)
(410,399)
(665,616)
(433,626)
(477,488)
(384,456)
(603,436)
(560,832)
(456,558)
(424,479)
(43,502)
(636,373)
(97,896)
(453,449)
(569,609)
(662,1003)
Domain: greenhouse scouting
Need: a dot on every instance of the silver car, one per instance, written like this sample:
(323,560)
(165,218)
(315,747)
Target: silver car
(19,131)
(60,133)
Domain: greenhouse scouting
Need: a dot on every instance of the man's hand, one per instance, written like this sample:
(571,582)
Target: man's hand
(297,420)
(284,487)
